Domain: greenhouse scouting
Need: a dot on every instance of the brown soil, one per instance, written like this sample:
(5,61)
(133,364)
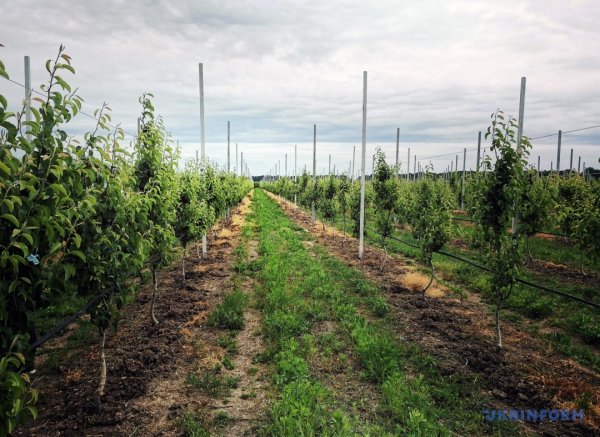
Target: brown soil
(525,374)
(146,391)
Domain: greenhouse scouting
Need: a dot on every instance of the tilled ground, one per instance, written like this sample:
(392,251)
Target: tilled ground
(459,334)
(147,363)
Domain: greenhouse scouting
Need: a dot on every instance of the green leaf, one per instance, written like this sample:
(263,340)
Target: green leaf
(21,246)
(78,253)
(11,218)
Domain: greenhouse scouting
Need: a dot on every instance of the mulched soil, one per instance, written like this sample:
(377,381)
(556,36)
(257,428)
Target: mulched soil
(525,374)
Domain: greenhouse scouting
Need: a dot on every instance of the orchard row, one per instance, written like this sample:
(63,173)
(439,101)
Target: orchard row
(82,217)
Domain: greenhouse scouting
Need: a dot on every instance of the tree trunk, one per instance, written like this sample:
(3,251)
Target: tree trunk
(102,383)
(581,265)
(183,266)
(498,333)
(155,287)
(432,276)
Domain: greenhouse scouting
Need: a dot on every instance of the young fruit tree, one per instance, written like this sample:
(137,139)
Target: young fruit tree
(385,187)
(431,219)
(539,202)
(189,210)
(327,200)
(500,194)
(155,177)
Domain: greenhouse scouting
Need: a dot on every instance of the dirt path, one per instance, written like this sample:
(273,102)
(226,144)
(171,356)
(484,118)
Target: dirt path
(147,393)
(524,375)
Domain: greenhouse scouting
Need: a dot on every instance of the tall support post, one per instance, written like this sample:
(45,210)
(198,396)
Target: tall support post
(242,161)
(538,166)
(196,158)
(228,148)
(558,152)
(451,167)
(314,213)
(519,137)
(462,181)
(295,162)
(397,151)
(571,162)
(202,133)
(579,165)
(456,168)
(286,165)
(329,172)
(361,233)
(353,156)
(415,168)
(478,151)
(27,94)
(237,168)
(408,166)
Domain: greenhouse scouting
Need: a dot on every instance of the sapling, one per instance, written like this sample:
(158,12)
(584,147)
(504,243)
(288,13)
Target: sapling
(500,191)
(431,219)
(385,187)
(155,173)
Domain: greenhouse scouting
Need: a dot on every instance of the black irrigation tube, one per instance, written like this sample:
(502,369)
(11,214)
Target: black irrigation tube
(460,219)
(62,325)
(519,280)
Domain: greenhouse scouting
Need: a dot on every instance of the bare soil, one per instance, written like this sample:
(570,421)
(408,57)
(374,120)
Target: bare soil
(524,374)
(146,391)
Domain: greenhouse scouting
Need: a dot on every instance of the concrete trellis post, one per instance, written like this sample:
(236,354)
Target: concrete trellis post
(558,152)
(202,133)
(329,172)
(397,151)
(228,148)
(286,165)
(353,156)
(361,234)
(519,136)
(571,162)
(295,162)
(415,167)
(462,182)
(314,213)
(538,166)
(27,94)
(408,166)
(478,151)
(579,165)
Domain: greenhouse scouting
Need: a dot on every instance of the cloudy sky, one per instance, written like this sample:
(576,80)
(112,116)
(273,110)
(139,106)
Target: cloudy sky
(436,69)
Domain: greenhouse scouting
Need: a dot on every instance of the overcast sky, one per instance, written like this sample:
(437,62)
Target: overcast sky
(436,69)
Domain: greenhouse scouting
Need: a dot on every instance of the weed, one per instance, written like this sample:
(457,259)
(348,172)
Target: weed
(221,419)
(228,363)
(229,314)
(193,425)
(212,383)
(228,343)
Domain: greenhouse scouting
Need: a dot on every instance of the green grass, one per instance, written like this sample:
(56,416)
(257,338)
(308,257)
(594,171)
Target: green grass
(300,288)
(229,314)
(212,382)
